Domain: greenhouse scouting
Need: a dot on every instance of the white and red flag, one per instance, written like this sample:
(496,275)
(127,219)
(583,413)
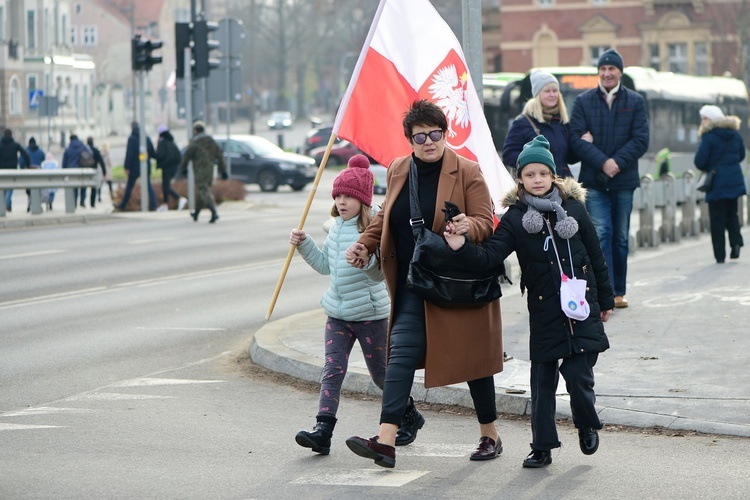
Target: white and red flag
(411,53)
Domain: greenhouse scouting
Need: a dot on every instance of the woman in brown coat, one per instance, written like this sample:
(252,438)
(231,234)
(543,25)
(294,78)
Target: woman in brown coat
(453,345)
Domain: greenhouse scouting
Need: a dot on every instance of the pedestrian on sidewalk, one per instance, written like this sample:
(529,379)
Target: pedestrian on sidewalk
(452,344)
(617,119)
(356,301)
(168,158)
(9,153)
(104,151)
(48,195)
(204,153)
(722,150)
(558,345)
(98,163)
(36,157)
(78,155)
(133,167)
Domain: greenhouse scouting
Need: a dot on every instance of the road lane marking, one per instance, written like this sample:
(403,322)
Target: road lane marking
(113,396)
(149,241)
(211,273)
(434,450)
(178,328)
(45,410)
(145,382)
(22,427)
(361,477)
(31,254)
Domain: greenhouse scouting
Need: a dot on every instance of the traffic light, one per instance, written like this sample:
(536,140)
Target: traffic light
(141,56)
(182,33)
(203,46)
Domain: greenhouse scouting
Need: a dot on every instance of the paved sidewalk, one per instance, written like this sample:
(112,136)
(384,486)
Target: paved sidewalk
(678,358)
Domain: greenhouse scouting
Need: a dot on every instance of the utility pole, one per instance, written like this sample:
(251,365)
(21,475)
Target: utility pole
(472,41)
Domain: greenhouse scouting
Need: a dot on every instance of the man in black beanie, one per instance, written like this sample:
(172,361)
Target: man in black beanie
(618,120)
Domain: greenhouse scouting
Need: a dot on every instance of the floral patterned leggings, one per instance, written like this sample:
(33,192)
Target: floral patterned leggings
(339,340)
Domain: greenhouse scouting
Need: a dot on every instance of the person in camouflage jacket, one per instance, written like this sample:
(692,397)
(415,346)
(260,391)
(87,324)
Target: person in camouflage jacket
(204,153)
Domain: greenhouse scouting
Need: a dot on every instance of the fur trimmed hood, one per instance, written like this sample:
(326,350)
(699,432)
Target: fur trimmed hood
(568,186)
(728,122)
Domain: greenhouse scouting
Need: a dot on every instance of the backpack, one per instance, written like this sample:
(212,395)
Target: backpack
(174,157)
(87,158)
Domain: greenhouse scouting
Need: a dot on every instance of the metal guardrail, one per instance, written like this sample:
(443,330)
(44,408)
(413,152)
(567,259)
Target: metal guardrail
(36,179)
(669,196)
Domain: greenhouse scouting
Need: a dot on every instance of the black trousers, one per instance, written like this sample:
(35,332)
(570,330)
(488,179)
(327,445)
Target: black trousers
(724,217)
(578,371)
(408,345)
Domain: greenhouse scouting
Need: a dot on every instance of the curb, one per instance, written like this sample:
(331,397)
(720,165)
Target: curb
(268,350)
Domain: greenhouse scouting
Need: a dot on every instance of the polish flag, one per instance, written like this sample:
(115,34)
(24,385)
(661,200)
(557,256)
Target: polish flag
(411,53)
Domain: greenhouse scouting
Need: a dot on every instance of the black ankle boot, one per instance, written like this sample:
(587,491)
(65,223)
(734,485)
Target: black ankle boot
(410,424)
(320,438)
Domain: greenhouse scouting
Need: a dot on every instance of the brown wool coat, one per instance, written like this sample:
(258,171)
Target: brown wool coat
(462,344)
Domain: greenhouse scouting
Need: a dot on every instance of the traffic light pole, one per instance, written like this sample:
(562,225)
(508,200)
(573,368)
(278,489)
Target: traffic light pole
(189,121)
(143,149)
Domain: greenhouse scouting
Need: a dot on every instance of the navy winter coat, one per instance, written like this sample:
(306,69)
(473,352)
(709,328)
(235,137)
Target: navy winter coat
(620,133)
(36,157)
(721,149)
(132,151)
(556,133)
(72,155)
(551,336)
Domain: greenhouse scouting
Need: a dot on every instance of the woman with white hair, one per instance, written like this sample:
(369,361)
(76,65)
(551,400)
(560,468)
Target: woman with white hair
(544,114)
(721,150)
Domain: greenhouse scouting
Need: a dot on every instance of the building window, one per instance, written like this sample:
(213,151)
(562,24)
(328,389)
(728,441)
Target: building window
(599,2)
(88,36)
(30,29)
(64,25)
(544,3)
(14,97)
(653,56)
(2,22)
(31,82)
(595,52)
(677,57)
(78,8)
(73,36)
(701,58)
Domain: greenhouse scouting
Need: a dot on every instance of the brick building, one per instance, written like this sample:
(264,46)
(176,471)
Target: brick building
(700,37)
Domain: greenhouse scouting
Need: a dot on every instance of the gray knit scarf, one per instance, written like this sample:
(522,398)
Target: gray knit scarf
(533,222)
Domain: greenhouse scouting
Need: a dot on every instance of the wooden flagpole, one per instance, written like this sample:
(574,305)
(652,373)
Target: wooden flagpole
(289,256)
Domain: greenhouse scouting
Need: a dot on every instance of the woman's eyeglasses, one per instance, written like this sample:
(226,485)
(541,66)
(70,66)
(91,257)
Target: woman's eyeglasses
(421,138)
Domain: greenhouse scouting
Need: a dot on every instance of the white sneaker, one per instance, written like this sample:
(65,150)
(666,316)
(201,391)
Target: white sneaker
(162,208)
(181,203)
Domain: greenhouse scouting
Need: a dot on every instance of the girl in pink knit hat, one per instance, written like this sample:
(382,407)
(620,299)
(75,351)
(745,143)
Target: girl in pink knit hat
(356,302)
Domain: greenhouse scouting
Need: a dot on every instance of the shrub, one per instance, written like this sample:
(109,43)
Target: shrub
(229,190)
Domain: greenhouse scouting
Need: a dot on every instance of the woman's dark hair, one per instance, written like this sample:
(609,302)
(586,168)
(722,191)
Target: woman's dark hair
(424,112)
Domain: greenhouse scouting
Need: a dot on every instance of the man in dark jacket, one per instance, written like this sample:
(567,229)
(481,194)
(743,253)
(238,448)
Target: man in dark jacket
(168,158)
(72,159)
(618,120)
(9,151)
(133,167)
(98,162)
(204,153)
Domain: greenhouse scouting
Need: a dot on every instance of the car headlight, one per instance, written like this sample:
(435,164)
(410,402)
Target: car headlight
(284,165)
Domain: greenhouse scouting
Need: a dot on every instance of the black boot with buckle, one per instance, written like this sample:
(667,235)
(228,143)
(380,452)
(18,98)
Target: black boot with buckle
(320,438)
(410,424)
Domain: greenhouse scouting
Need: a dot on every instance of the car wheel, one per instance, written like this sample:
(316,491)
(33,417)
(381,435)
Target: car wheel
(268,181)
(298,186)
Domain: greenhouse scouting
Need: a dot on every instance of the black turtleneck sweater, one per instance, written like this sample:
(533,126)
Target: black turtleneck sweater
(429,175)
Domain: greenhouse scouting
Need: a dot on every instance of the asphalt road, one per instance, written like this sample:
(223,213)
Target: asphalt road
(123,374)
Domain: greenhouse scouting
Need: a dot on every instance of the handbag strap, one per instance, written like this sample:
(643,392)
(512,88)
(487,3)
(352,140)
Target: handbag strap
(533,125)
(416,219)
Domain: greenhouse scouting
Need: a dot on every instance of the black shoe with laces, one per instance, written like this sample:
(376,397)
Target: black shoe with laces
(538,459)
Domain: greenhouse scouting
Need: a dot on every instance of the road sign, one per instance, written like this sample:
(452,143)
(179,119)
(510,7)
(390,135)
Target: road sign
(34,98)
(47,106)
(231,35)
(217,82)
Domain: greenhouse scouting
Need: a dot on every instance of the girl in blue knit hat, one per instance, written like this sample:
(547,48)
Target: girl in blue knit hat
(548,228)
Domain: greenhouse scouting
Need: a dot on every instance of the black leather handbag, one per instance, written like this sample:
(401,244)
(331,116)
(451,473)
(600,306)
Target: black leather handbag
(432,274)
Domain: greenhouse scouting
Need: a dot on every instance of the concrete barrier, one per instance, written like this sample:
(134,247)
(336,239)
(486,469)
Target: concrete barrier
(37,179)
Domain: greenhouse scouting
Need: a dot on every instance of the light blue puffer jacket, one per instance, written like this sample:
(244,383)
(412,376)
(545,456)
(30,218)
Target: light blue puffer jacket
(354,294)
